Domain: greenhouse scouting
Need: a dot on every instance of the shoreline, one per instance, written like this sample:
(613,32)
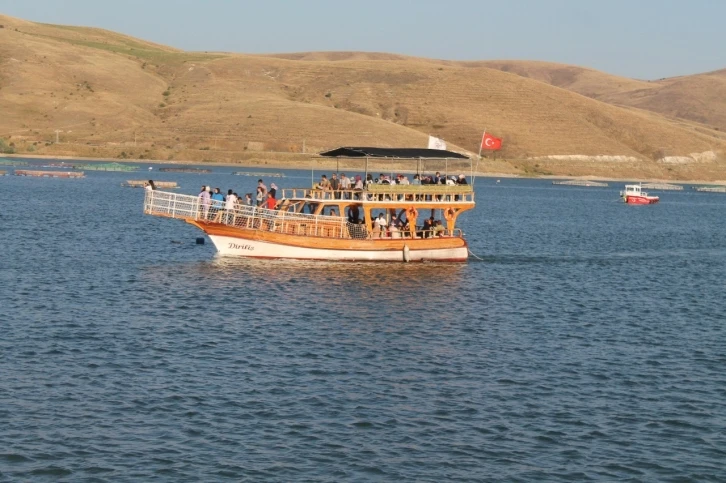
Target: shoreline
(283,165)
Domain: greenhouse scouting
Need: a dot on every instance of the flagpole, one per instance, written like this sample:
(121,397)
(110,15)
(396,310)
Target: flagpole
(481,142)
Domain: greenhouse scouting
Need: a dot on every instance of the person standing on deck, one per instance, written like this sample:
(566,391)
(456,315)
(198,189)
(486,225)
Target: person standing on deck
(271,202)
(335,186)
(380,226)
(230,204)
(205,199)
(344,185)
(324,185)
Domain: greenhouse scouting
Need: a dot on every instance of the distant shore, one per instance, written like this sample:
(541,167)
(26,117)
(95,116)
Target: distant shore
(322,164)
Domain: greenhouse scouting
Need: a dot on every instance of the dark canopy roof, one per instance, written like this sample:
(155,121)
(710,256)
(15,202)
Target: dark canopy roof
(404,153)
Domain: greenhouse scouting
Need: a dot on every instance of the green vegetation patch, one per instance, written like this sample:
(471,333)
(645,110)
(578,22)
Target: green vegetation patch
(134,49)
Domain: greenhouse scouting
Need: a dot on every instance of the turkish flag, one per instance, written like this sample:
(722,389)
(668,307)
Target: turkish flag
(490,142)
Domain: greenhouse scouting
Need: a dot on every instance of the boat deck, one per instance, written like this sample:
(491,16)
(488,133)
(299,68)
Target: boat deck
(192,210)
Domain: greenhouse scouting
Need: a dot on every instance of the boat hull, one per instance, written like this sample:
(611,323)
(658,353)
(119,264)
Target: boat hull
(236,242)
(641,200)
(241,247)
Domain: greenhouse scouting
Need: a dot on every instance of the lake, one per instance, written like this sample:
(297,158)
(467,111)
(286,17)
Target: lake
(587,343)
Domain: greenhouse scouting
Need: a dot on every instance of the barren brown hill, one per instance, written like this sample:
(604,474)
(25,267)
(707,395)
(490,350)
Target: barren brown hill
(700,97)
(111,95)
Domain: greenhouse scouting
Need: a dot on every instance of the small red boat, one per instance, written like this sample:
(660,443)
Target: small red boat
(634,195)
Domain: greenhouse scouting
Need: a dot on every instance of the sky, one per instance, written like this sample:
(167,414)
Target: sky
(643,39)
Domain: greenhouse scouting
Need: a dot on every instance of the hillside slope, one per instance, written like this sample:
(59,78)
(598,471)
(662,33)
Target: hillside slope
(109,93)
(700,97)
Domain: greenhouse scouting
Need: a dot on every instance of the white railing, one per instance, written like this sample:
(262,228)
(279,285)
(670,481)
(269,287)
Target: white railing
(174,205)
(404,193)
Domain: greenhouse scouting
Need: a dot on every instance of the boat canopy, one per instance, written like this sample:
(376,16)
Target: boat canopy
(394,153)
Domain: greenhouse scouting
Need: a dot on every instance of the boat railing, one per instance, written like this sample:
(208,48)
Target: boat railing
(382,192)
(188,207)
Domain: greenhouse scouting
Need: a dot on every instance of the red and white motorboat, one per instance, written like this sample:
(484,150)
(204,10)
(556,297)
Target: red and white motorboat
(634,195)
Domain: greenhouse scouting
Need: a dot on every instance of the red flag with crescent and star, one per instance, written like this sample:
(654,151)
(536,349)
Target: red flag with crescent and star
(491,142)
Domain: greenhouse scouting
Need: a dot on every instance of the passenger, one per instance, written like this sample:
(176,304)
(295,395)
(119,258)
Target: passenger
(248,199)
(260,196)
(394,231)
(230,204)
(438,228)
(152,185)
(332,212)
(271,202)
(395,221)
(379,226)
(273,190)
(262,185)
(353,214)
(345,185)
(427,229)
(358,186)
(416,180)
(451,181)
(461,179)
(147,186)
(205,199)
(324,185)
(369,180)
(335,186)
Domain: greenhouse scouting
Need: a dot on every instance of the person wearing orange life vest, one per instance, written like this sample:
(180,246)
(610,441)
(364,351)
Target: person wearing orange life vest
(411,215)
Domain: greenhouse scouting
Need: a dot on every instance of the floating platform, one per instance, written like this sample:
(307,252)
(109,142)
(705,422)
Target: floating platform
(139,183)
(58,165)
(662,186)
(581,182)
(710,189)
(186,170)
(106,167)
(49,174)
(3,173)
(259,175)
(9,162)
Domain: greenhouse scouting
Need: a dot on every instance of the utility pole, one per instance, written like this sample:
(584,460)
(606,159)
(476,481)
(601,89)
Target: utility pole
(56,135)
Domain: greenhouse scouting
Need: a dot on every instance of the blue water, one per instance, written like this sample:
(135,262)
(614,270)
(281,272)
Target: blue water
(589,344)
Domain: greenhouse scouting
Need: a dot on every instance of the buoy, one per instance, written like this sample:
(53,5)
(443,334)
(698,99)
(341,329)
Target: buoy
(406,254)
(150,168)
(200,240)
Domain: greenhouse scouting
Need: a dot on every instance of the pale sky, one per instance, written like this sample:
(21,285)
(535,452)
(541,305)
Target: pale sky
(646,39)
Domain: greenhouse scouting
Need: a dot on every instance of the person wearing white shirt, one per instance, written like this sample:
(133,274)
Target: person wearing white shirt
(380,226)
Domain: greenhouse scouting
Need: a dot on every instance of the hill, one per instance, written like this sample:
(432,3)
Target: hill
(700,98)
(112,95)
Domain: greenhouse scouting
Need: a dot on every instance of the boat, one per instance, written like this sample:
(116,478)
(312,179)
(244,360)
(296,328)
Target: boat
(634,195)
(310,223)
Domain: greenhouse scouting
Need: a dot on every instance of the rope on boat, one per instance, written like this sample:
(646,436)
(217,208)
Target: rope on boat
(473,255)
